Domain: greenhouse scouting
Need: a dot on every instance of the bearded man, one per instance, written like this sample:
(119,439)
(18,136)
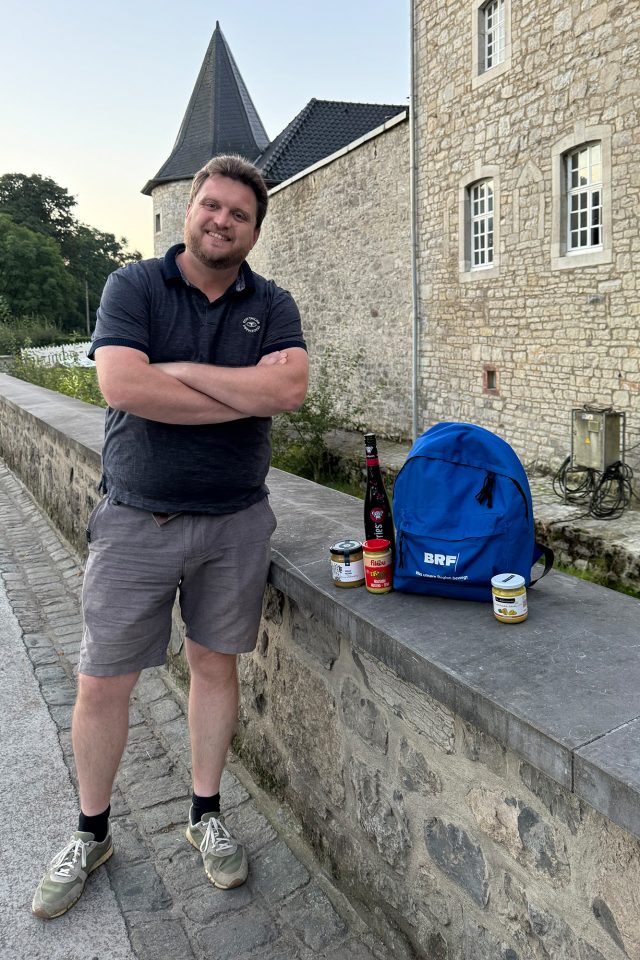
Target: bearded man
(194,353)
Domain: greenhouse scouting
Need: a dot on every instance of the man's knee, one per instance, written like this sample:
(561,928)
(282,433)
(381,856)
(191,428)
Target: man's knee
(100,692)
(210,665)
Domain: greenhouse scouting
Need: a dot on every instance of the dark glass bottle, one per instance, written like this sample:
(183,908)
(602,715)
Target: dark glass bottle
(378,522)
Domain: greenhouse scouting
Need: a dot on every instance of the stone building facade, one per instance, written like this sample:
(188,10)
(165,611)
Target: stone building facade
(528,146)
(527,311)
(338,237)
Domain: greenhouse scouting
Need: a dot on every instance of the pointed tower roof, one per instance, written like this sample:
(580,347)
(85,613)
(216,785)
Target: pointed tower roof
(220,118)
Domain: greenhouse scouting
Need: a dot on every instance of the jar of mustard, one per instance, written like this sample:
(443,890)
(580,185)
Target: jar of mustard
(509,597)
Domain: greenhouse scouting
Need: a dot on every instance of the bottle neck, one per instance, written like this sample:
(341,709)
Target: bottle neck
(373,461)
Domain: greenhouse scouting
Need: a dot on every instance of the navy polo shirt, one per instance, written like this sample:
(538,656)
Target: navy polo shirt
(210,468)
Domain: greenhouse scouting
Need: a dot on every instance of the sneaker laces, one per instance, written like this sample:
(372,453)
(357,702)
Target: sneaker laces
(64,864)
(217,839)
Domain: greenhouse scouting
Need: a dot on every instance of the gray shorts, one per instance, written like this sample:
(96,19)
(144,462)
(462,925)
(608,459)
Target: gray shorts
(218,565)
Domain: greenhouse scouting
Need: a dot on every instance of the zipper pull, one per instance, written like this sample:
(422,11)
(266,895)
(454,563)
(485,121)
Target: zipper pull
(486,493)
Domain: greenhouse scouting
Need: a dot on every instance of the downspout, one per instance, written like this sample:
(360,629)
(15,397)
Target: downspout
(413,193)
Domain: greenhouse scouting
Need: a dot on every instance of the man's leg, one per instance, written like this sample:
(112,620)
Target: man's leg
(213,711)
(99,734)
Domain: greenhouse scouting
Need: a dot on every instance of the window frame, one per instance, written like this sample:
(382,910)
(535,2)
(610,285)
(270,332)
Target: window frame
(468,271)
(583,194)
(480,72)
(563,256)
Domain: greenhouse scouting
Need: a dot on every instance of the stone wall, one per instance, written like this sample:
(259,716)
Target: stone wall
(170,204)
(338,237)
(429,824)
(558,332)
(416,787)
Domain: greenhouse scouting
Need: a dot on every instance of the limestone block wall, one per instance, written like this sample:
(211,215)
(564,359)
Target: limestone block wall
(557,334)
(453,844)
(338,237)
(169,205)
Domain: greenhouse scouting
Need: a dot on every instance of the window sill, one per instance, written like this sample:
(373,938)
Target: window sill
(491,74)
(590,258)
(467,275)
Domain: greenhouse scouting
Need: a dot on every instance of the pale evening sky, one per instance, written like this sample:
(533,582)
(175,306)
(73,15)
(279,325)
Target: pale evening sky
(93,94)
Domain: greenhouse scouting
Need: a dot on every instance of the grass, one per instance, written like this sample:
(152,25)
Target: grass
(595,575)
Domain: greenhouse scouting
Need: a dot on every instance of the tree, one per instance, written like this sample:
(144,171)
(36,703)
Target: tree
(34,280)
(89,255)
(92,255)
(38,203)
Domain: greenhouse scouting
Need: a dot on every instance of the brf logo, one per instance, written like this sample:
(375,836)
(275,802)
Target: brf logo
(442,559)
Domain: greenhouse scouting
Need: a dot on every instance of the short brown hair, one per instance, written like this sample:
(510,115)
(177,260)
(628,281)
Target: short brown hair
(236,168)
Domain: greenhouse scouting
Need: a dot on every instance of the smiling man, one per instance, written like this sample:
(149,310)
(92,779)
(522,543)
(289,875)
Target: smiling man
(194,354)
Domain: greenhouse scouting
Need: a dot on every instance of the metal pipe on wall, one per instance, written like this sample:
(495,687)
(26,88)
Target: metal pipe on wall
(413,192)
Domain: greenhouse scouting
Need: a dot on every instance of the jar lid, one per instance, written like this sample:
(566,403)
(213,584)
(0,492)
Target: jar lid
(379,544)
(346,547)
(507,581)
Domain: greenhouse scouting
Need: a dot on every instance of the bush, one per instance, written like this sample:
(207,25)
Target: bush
(78,382)
(299,438)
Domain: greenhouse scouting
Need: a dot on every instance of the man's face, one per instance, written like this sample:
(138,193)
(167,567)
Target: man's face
(220,226)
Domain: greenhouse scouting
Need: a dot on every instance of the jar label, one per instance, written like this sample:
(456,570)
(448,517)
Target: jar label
(347,572)
(506,608)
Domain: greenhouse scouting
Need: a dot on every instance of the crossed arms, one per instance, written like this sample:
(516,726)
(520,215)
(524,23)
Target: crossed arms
(199,393)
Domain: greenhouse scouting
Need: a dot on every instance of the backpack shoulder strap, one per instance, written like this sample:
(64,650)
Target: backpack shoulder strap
(549,557)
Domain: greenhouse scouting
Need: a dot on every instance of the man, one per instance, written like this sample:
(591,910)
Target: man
(194,354)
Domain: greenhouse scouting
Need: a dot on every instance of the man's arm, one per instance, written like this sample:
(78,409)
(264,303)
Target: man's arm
(129,382)
(277,383)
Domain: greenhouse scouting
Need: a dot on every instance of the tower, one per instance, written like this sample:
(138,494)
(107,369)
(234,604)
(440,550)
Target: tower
(220,118)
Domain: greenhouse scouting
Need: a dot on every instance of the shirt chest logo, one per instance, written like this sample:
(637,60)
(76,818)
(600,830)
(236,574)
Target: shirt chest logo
(251,324)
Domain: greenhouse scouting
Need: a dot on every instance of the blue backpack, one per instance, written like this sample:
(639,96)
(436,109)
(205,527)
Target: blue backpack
(463,513)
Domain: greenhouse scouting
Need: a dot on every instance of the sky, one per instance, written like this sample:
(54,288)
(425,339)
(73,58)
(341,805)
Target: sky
(92,94)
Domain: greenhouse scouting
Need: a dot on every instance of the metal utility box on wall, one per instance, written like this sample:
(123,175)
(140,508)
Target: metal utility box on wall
(596,438)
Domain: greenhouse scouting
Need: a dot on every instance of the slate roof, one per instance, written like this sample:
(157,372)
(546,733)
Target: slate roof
(320,129)
(220,118)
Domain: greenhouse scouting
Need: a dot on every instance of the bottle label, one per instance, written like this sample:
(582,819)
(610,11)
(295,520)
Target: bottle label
(372,461)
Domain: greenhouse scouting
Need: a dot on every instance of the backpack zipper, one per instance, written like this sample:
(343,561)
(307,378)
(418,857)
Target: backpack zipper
(485,495)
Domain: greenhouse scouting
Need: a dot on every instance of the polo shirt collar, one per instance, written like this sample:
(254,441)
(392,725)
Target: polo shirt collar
(244,282)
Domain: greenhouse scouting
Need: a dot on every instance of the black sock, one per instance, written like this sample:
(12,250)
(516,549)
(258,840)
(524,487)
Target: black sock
(202,805)
(98,825)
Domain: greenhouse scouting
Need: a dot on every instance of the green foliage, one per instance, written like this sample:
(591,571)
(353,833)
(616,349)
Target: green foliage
(34,279)
(37,203)
(29,332)
(43,209)
(299,437)
(78,382)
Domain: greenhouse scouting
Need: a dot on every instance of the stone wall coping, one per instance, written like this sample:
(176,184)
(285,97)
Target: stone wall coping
(562,689)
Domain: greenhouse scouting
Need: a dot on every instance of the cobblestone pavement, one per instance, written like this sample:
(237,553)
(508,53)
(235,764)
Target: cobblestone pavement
(288,909)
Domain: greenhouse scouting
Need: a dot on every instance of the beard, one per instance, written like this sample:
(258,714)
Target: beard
(220,261)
